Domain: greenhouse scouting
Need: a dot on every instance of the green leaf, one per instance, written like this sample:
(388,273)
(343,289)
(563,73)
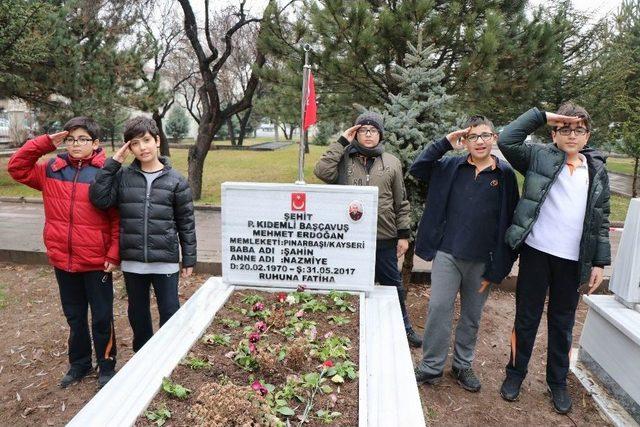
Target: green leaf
(285,410)
(337,379)
(326,389)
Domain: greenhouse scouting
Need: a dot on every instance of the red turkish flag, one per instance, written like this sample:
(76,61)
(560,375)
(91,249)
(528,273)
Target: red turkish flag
(310,108)
(298,202)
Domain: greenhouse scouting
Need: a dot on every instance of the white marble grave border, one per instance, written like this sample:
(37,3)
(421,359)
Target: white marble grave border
(611,340)
(388,393)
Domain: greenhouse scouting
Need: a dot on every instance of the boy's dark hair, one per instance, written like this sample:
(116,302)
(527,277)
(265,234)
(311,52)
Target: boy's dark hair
(86,123)
(570,108)
(139,126)
(478,120)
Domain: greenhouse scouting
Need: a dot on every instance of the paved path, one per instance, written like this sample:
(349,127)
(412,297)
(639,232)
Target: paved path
(622,184)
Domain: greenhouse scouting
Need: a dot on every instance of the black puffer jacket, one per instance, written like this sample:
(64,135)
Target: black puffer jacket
(149,224)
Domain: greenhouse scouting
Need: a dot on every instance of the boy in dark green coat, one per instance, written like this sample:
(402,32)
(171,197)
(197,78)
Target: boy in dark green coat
(561,228)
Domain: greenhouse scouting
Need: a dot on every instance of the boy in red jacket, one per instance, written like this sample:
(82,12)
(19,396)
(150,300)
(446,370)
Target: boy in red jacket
(81,240)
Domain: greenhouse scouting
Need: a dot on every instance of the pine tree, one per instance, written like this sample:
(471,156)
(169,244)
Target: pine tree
(419,114)
(177,124)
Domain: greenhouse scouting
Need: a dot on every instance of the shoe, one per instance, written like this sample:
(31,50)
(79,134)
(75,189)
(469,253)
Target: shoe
(466,378)
(74,375)
(104,377)
(561,400)
(424,378)
(510,390)
(414,339)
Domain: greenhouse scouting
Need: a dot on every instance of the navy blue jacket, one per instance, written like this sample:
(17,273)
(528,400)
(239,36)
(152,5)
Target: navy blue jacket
(439,173)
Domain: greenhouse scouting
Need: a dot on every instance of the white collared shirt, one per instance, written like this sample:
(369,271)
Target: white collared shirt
(558,228)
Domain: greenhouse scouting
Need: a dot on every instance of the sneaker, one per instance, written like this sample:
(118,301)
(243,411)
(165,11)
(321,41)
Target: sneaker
(424,378)
(104,377)
(510,390)
(414,339)
(466,378)
(561,400)
(74,375)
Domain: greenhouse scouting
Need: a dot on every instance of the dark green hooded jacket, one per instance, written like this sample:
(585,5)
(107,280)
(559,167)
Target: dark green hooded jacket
(541,164)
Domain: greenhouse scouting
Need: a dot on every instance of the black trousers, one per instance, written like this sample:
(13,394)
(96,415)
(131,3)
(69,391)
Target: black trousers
(540,271)
(78,292)
(387,274)
(138,286)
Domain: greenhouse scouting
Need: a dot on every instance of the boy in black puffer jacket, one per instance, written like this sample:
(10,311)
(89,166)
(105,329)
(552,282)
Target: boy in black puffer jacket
(156,210)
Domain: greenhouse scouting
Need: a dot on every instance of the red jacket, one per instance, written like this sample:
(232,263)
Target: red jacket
(78,236)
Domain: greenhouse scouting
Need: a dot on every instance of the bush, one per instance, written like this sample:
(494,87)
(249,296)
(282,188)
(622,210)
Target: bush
(177,126)
(326,131)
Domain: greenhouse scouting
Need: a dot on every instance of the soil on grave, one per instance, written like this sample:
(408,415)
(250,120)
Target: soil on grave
(33,358)
(223,368)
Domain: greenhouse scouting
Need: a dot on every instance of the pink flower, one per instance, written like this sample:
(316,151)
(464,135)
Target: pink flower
(252,348)
(299,313)
(259,388)
(254,337)
(282,297)
(333,399)
(301,288)
(261,326)
(328,364)
(328,335)
(258,306)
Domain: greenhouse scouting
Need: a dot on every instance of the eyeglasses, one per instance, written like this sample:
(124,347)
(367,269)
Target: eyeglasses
(81,141)
(371,131)
(485,136)
(566,131)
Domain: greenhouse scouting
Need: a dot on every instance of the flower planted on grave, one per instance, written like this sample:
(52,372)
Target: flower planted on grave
(278,360)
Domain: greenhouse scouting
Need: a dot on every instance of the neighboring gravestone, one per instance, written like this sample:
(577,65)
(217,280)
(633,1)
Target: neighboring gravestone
(625,279)
(286,235)
(610,340)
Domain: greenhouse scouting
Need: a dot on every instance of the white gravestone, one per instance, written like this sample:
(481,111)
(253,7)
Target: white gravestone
(285,235)
(625,279)
(610,340)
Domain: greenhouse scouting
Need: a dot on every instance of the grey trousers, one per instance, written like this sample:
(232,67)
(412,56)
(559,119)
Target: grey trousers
(448,276)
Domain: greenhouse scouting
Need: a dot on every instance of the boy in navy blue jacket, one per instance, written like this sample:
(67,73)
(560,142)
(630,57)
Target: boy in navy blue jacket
(470,203)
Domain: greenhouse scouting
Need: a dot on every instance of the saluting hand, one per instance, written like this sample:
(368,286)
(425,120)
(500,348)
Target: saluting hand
(57,138)
(559,120)
(458,137)
(122,154)
(350,133)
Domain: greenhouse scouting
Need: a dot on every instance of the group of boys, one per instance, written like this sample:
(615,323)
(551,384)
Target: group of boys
(98,214)
(474,225)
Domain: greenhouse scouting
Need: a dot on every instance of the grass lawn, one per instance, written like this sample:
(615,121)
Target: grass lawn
(247,142)
(620,165)
(252,166)
(220,165)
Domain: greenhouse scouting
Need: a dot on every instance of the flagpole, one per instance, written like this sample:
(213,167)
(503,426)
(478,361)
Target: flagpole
(305,84)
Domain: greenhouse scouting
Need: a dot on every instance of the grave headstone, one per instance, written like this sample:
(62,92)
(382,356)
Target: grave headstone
(285,235)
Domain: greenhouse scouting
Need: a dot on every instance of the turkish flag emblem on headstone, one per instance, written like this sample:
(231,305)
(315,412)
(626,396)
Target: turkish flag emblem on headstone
(298,202)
